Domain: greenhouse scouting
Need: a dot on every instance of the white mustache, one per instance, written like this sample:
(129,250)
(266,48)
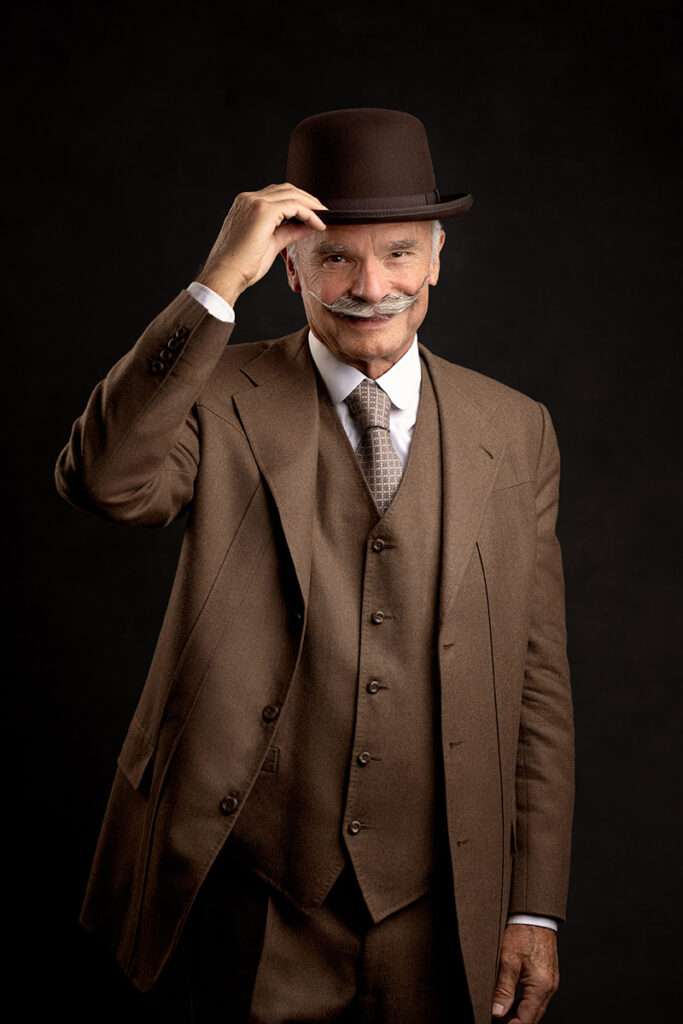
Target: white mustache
(387,307)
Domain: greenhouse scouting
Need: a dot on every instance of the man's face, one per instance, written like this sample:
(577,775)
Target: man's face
(361,269)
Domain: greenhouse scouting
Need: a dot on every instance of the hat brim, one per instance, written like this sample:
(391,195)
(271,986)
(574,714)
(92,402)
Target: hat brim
(449,206)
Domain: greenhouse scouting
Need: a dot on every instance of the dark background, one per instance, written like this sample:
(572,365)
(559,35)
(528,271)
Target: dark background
(130,132)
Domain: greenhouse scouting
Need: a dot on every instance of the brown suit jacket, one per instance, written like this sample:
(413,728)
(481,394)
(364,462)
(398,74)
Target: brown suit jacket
(229,433)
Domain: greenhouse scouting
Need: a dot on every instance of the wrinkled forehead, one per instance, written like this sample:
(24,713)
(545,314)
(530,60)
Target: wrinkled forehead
(359,238)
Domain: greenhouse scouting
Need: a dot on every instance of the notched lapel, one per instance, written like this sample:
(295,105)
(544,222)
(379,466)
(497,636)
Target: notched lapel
(472,448)
(280,418)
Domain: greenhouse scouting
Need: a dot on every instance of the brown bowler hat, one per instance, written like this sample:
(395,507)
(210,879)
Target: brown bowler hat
(369,164)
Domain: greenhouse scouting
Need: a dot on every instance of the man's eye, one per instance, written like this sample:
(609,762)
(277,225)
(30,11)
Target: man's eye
(338,256)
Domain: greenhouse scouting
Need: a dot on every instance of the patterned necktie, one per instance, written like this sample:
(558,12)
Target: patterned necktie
(369,405)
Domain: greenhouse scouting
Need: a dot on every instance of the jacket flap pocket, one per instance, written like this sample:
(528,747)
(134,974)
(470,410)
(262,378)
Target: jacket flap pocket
(135,753)
(512,473)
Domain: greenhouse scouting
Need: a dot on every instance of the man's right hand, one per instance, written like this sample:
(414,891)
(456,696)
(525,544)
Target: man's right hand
(253,234)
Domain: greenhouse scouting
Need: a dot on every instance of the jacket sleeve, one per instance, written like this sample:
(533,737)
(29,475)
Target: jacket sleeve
(133,453)
(545,754)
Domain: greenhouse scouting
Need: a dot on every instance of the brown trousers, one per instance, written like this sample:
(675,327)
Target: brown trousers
(248,956)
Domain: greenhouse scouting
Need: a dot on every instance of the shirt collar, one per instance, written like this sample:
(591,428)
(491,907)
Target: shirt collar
(401,381)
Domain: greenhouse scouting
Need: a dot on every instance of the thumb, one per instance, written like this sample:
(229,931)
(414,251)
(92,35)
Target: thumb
(506,986)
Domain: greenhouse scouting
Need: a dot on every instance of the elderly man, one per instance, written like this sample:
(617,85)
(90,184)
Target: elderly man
(347,790)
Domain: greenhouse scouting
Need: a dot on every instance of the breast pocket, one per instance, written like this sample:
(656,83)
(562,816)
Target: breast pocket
(512,473)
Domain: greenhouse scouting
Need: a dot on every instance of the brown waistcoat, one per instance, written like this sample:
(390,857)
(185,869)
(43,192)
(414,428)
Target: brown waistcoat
(352,770)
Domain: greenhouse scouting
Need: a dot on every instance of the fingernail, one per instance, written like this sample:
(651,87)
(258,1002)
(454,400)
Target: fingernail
(498,1009)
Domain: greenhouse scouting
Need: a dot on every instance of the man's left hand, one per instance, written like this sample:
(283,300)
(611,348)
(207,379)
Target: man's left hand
(528,958)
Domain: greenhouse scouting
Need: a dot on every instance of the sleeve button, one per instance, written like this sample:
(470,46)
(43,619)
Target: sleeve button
(156,366)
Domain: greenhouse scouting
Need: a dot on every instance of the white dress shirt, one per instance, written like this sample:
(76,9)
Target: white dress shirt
(401,382)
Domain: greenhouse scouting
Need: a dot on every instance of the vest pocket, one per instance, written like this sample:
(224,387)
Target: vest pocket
(272,760)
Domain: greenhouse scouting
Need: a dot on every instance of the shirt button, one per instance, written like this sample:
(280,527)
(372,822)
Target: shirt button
(354,827)
(229,804)
(270,712)
(373,686)
(377,544)
(377,617)
(364,757)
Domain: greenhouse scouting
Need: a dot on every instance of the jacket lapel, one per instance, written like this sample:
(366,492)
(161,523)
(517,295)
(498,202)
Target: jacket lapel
(280,419)
(471,449)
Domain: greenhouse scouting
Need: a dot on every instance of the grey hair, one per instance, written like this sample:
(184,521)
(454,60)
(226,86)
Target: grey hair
(436,228)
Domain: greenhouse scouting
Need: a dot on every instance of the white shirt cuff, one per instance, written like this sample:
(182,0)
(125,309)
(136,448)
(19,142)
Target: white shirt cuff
(211,300)
(543,922)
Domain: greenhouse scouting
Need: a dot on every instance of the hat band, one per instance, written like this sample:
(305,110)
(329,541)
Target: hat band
(385,202)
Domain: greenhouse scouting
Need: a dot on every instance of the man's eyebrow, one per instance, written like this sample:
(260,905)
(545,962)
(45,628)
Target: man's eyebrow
(395,243)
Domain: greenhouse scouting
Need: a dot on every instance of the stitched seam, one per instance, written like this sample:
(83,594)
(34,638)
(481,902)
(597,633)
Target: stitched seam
(517,483)
(500,766)
(223,419)
(542,442)
(190,634)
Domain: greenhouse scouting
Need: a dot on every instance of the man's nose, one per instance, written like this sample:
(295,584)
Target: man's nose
(370,281)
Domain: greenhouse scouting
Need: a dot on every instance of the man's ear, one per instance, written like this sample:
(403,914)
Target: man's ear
(435,264)
(291,271)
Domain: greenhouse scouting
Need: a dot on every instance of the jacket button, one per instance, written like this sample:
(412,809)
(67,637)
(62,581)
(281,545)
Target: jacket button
(364,757)
(229,804)
(354,827)
(156,366)
(373,686)
(377,617)
(270,712)
(378,544)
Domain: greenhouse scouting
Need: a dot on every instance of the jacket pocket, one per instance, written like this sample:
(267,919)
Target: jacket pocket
(136,752)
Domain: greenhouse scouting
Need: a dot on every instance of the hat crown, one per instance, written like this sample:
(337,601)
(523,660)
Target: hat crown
(361,153)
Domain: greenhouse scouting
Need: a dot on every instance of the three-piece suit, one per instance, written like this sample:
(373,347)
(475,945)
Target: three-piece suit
(333,688)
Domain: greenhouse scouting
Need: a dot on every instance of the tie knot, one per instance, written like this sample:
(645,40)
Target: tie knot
(369,405)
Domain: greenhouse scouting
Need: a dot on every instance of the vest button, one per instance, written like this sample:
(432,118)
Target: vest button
(229,804)
(373,686)
(354,827)
(364,757)
(270,712)
(377,617)
(377,544)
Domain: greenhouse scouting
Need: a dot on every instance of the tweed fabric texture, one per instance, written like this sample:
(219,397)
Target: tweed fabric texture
(369,405)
